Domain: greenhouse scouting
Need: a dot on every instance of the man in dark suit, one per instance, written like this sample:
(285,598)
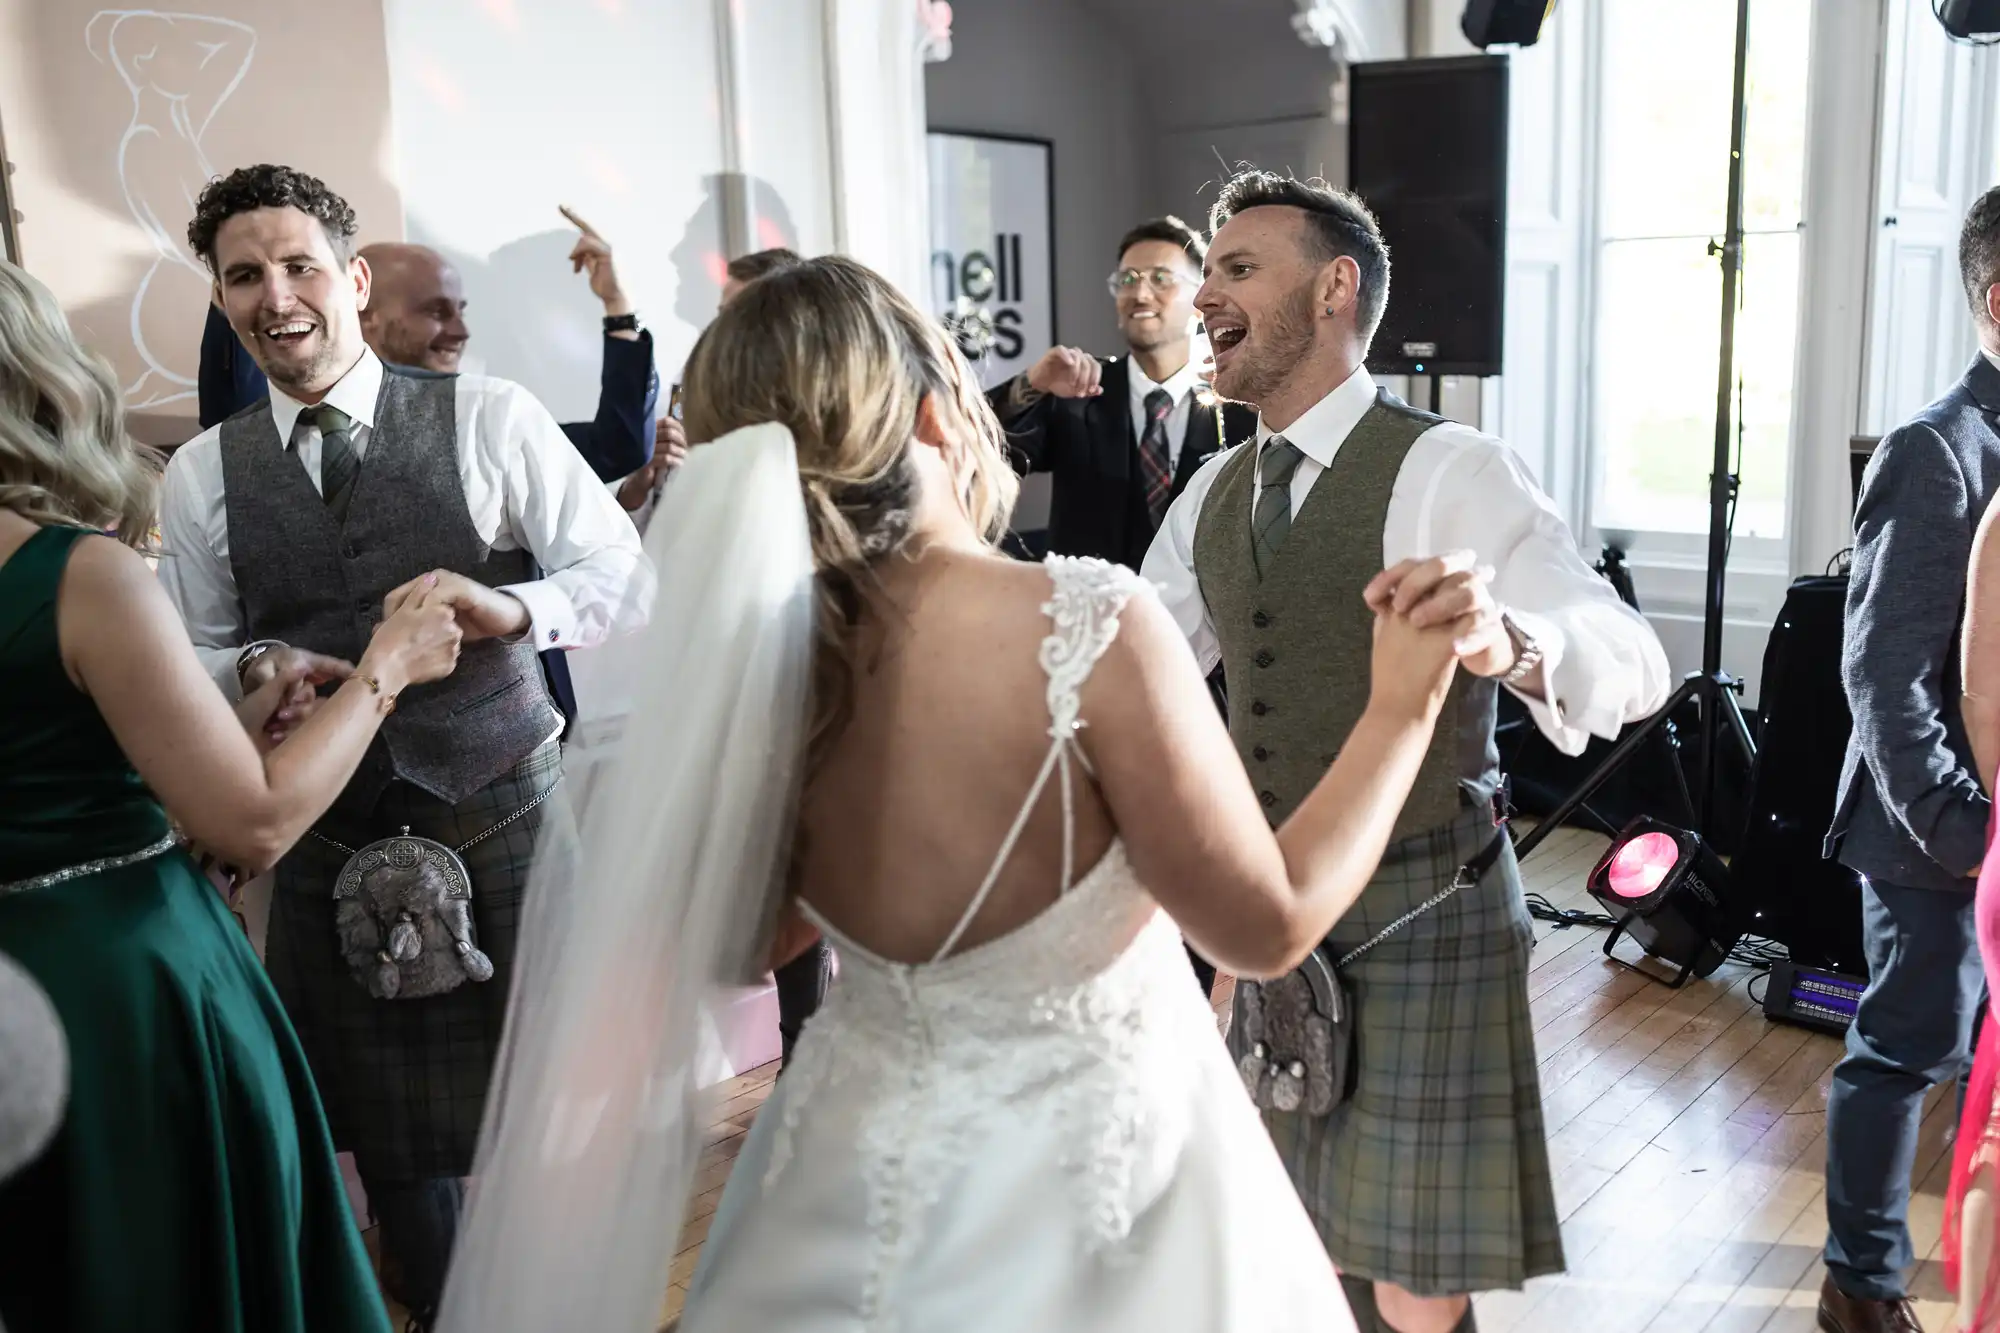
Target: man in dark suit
(1911,815)
(1122,436)
(226,379)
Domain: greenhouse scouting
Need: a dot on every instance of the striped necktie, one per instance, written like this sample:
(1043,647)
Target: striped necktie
(1155,459)
(338,465)
(1272,518)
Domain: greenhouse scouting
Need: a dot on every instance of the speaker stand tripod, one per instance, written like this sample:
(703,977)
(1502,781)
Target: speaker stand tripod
(1716,689)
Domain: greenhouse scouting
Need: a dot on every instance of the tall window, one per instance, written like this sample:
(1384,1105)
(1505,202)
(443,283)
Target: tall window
(1663,168)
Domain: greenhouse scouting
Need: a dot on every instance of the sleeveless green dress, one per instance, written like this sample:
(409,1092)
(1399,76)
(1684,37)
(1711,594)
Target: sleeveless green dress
(192,1187)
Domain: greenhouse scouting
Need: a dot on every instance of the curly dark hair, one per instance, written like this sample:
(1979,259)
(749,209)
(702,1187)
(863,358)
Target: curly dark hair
(1169,229)
(1337,224)
(268,186)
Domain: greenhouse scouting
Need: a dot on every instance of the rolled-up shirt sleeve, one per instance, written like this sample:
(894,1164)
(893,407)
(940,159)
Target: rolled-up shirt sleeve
(1602,664)
(595,580)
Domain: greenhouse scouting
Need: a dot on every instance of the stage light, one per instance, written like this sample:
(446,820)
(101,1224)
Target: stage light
(1669,892)
(1505,22)
(1969,19)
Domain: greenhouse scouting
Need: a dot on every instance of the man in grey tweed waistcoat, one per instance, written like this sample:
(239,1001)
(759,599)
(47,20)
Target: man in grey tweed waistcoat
(1432,1182)
(290,531)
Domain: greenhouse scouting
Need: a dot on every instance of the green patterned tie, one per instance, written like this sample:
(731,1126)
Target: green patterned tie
(337,464)
(1272,518)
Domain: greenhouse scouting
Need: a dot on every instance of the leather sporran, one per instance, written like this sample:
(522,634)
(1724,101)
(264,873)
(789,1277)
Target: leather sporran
(403,917)
(1295,1039)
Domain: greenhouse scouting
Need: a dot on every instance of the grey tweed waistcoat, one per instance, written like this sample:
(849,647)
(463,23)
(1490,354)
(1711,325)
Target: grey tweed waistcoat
(316,584)
(1297,639)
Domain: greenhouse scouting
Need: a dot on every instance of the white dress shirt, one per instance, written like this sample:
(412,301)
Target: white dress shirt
(1183,384)
(1460,490)
(526,488)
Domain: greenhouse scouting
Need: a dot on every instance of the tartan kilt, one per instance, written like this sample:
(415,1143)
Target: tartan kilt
(1435,1174)
(404,1081)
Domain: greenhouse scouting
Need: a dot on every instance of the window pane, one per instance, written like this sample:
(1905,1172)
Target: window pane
(1665,127)
(1660,307)
(1668,84)
(1774,135)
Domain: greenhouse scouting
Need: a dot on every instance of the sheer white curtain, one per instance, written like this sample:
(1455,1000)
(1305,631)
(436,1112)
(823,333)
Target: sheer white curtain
(876,50)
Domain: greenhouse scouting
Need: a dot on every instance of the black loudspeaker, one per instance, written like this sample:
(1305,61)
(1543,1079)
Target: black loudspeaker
(1505,22)
(1970,18)
(1427,151)
(1809,904)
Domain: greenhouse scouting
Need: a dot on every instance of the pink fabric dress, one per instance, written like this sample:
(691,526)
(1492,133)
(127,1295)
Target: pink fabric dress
(1978,1145)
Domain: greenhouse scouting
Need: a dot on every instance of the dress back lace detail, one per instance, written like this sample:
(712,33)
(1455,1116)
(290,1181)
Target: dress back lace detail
(1071,1015)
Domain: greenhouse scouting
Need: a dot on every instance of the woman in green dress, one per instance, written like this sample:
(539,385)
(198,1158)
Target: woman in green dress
(192,1186)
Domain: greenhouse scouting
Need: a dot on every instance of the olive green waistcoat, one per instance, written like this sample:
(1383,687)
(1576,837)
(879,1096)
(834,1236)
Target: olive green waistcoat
(1296,641)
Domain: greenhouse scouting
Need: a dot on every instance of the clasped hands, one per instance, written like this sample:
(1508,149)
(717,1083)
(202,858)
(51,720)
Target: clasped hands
(281,688)
(1448,591)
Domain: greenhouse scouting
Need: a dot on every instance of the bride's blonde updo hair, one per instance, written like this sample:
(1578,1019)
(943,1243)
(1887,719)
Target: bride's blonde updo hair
(64,454)
(832,351)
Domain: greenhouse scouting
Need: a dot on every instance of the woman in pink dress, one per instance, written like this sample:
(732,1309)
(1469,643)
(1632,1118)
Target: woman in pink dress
(1971,1235)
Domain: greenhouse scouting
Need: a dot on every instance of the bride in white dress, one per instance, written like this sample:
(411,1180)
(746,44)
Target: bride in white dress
(1011,794)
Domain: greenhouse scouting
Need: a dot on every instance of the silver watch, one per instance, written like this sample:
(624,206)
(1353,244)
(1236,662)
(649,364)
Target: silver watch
(251,652)
(1527,653)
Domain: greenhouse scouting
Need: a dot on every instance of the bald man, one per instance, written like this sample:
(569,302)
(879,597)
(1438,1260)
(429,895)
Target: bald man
(416,317)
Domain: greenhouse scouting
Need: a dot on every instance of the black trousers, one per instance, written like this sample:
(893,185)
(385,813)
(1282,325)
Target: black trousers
(1204,971)
(802,986)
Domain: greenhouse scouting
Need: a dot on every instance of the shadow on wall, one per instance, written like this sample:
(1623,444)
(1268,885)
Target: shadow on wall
(535,322)
(701,256)
(143,108)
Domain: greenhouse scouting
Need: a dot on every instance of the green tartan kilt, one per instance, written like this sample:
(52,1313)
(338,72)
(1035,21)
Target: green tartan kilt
(1435,1174)
(404,1081)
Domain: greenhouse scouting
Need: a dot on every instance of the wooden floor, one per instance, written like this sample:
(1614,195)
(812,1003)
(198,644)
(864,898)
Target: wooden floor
(1686,1133)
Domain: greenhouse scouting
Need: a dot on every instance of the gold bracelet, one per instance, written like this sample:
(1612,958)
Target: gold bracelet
(375,688)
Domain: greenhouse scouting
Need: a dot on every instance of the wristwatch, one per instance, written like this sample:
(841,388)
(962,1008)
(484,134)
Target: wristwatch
(626,323)
(251,652)
(1527,653)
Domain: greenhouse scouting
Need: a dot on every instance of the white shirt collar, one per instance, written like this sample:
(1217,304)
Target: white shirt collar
(1327,423)
(1991,359)
(354,394)
(1178,386)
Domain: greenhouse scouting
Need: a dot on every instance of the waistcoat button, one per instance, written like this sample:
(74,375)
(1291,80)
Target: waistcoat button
(1261,620)
(1264,657)
(1260,753)
(1259,708)
(1267,798)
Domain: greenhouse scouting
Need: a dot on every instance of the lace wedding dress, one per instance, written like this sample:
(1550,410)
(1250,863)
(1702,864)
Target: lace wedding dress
(1041,1133)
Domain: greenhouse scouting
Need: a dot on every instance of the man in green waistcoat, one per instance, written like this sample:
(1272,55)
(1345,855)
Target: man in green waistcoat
(1432,1181)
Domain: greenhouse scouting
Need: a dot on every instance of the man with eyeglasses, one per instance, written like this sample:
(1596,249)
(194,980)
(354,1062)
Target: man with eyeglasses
(1123,435)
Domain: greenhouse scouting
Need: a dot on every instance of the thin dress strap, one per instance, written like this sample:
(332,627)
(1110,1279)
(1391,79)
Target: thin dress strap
(1087,596)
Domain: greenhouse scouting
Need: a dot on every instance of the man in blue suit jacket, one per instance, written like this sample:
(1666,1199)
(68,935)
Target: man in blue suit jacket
(1911,816)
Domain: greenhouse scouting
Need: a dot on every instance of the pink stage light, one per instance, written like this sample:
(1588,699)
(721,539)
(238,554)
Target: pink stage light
(1639,866)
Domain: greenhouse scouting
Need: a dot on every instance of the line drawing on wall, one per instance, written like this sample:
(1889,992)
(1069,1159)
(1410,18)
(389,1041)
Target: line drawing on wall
(179,69)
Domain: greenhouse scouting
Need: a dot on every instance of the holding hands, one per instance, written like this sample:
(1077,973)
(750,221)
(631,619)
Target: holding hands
(416,644)
(1430,617)
(482,612)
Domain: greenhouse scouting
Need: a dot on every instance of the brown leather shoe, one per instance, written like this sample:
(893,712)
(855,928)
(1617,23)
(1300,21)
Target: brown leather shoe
(1842,1313)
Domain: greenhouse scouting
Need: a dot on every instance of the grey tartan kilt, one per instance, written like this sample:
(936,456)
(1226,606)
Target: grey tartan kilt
(404,1081)
(1435,1174)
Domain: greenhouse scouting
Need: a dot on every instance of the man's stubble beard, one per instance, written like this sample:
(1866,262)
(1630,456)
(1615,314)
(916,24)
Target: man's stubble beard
(1284,345)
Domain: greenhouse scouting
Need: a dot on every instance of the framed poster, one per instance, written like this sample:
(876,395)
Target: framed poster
(993,275)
